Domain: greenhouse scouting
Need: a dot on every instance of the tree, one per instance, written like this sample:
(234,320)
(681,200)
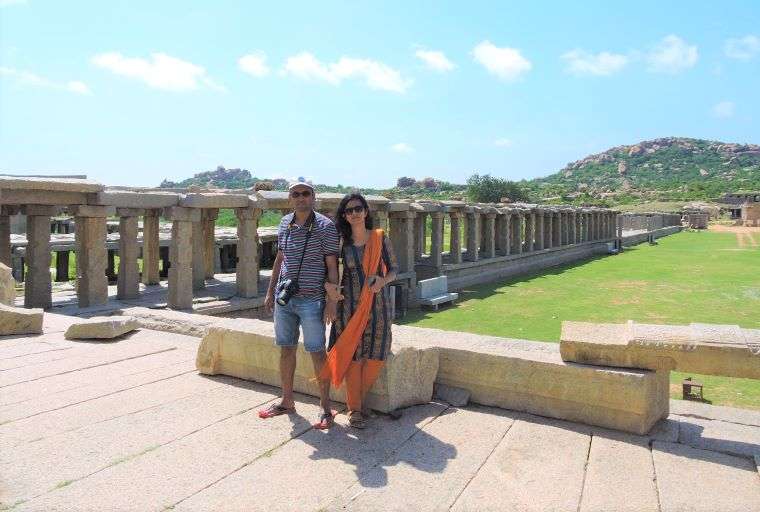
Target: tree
(489,189)
(405,182)
(429,183)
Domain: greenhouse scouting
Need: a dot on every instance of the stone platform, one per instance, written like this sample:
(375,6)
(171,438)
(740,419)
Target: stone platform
(130,425)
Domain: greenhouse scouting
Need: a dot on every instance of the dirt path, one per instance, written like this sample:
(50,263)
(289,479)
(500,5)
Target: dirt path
(745,236)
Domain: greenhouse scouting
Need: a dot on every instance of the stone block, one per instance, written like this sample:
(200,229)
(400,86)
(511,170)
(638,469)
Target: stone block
(531,377)
(135,199)
(101,327)
(248,351)
(49,184)
(429,288)
(726,350)
(215,200)
(458,397)
(88,210)
(7,285)
(177,213)
(19,320)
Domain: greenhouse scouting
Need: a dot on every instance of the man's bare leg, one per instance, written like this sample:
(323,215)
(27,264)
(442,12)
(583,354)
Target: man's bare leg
(287,373)
(318,360)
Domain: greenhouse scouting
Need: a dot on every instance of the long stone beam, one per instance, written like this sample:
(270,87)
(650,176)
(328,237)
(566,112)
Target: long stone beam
(726,350)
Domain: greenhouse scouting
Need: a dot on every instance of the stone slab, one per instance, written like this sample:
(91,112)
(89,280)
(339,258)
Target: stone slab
(693,409)
(720,436)
(699,480)
(7,286)
(178,322)
(101,327)
(535,467)
(15,320)
(619,475)
(531,377)
(87,210)
(726,350)
(215,200)
(441,459)
(248,351)
(454,396)
(134,199)
(49,184)
(177,213)
(101,454)
(140,483)
(330,462)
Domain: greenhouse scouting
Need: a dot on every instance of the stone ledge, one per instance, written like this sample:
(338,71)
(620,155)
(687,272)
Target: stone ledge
(725,350)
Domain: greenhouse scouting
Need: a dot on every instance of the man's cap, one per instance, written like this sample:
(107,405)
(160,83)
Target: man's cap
(302,182)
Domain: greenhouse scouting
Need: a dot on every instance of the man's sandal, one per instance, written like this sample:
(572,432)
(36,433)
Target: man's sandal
(326,420)
(275,410)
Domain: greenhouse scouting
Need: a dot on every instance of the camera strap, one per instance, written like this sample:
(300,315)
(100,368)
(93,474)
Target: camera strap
(310,223)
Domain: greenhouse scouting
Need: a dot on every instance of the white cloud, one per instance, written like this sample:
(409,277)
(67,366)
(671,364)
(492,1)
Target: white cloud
(402,147)
(503,143)
(672,55)
(435,60)
(580,62)
(744,48)
(374,73)
(27,78)
(255,64)
(724,109)
(161,71)
(506,63)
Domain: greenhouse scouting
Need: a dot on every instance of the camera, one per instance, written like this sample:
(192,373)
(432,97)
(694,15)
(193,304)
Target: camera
(288,288)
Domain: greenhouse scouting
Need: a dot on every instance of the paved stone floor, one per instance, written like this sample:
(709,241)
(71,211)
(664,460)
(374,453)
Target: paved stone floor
(130,425)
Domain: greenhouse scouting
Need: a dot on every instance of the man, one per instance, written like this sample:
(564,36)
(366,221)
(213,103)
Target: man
(307,244)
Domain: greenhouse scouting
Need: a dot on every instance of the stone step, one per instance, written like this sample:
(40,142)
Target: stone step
(105,451)
(699,480)
(313,469)
(537,466)
(619,475)
(441,459)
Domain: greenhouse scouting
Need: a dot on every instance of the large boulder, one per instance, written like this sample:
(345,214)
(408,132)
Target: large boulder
(15,320)
(101,327)
(7,285)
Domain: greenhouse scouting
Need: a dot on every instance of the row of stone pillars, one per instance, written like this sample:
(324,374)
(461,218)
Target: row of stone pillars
(491,232)
(191,252)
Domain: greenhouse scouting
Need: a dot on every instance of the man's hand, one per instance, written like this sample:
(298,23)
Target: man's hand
(333,292)
(331,311)
(269,302)
(376,283)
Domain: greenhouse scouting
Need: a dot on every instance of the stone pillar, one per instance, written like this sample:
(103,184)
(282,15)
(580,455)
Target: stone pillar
(419,236)
(489,248)
(380,219)
(516,230)
(181,256)
(199,256)
(619,226)
(92,255)
(247,269)
(436,239)
(472,236)
(539,232)
(208,220)
(455,241)
(502,234)
(423,233)
(578,227)
(402,235)
(548,229)
(128,280)
(61,266)
(562,227)
(530,231)
(5,235)
(556,230)
(38,287)
(151,250)
(572,225)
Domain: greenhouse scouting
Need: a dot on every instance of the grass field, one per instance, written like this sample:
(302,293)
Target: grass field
(688,277)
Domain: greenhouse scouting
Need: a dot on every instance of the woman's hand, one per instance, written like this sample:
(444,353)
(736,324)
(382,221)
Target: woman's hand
(376,283)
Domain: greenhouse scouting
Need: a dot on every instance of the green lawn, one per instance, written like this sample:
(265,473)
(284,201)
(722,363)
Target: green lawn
(687,277)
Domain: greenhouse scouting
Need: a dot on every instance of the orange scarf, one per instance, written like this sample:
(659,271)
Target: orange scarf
(342,353)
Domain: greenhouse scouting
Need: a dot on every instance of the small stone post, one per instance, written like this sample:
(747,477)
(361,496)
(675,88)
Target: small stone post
(530,231)
(548,229)
(92,255)
(151,250)
(502,233)
(247,268)
(402,235)
(489,248)
(208,220)
(128,279)
(38,287)
(472,236)
(539,245)
(455,241)
(436,239)
(181,256)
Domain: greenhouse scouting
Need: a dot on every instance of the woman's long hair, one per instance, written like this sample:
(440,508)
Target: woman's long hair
(344,227)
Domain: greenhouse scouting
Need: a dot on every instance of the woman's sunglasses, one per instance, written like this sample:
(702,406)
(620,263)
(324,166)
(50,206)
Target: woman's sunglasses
(355,209)
(296,194)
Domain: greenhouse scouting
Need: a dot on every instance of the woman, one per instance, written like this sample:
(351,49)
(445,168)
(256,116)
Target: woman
(360,337)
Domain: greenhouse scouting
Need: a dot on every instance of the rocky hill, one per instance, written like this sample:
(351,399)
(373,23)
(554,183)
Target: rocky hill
(672,168)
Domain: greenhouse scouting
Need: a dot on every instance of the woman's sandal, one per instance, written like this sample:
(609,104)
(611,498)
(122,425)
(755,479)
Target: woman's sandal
(326,420)
(356,420)
(275,410)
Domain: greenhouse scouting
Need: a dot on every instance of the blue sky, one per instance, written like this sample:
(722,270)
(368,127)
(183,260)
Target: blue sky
(361,93)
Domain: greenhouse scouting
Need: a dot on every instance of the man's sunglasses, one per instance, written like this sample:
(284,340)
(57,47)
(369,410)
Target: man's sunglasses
(355,209)
(295,194)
